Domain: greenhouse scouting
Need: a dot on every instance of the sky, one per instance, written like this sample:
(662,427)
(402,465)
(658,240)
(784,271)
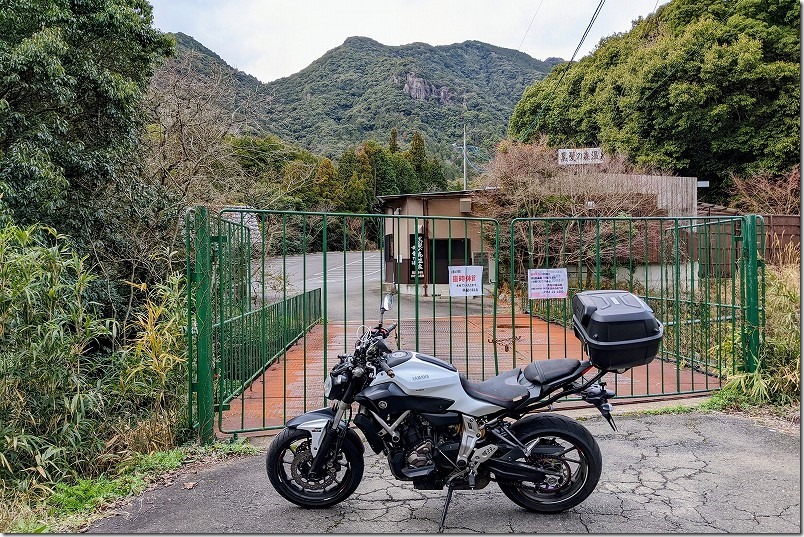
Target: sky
(271,39)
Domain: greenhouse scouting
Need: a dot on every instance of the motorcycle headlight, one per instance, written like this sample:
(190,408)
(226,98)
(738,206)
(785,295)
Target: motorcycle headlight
(335,386)
(328,386)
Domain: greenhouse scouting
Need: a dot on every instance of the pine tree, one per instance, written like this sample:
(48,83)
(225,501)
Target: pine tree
(327,186)
(418,157)
(406,178)
(393,146)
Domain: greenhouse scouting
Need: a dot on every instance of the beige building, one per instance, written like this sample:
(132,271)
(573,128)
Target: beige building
(426,233)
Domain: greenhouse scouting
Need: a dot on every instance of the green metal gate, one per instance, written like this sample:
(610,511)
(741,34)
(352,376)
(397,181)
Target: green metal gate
(275,295)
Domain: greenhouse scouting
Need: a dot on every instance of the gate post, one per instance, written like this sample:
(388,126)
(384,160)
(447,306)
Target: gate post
(751,266)
(203,268)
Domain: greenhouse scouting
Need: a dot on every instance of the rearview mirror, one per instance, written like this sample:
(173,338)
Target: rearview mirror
(387,302)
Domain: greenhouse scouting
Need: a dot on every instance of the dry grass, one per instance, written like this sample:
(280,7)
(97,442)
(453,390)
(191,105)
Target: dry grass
(781,193)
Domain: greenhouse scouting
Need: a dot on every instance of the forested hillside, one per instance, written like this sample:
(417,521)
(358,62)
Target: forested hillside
(362,90)
(702,87)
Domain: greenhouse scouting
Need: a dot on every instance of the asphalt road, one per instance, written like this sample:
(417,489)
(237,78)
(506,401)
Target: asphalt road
(353,283)
(684,473)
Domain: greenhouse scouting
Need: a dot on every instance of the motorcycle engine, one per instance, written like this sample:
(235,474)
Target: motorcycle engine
(421,455)
(425,445)
(418,445)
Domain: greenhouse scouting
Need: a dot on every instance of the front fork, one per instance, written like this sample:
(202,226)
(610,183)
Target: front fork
(332,433)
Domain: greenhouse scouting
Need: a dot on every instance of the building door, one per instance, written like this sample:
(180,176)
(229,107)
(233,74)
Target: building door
(449,252)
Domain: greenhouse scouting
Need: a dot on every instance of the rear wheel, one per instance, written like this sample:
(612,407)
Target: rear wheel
(566,453)
(288,464)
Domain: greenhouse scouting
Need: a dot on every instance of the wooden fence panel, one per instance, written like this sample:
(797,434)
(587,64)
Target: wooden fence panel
(782,237)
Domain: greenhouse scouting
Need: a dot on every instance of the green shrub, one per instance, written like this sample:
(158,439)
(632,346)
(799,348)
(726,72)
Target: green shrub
(52,384)
(777,379)
(71,405)
(87,494)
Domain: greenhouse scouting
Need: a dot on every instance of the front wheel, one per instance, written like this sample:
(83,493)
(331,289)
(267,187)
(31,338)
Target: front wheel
(567,454)
(288,463)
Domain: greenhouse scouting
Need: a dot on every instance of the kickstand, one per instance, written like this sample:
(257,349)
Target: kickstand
(446,506)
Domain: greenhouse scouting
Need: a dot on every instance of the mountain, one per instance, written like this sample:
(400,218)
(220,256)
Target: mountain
(363,89)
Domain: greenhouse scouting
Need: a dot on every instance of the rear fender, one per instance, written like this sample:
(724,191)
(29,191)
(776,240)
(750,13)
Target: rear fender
(316,422)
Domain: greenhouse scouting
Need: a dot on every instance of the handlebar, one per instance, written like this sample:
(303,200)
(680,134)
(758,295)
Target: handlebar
(384,332)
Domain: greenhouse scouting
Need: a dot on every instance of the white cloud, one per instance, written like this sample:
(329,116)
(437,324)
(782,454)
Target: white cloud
(272,39)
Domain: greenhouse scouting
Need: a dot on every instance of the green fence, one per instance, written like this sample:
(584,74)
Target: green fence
(699,275)
(275,295)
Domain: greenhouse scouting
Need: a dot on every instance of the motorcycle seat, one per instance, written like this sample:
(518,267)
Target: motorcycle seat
(502,390)
(546,371)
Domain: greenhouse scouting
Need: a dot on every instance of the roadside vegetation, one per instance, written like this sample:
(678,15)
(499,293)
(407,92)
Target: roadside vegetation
(776,383)
(79,405)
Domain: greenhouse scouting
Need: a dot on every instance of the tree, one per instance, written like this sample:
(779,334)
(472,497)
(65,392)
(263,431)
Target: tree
(705,88)
(71,89)
(274,174)
(378,170)
(418,156)
(435,179)
(73,75)
(406,178)
(189,152)
(347,165)
(393,145)
(355,198)
(327,186)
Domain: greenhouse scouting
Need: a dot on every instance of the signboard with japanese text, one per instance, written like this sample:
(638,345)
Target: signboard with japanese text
(466,280)
(547,283)
(584,155)
(417,256)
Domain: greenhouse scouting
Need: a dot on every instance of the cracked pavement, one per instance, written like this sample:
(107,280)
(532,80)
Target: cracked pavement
(667,473)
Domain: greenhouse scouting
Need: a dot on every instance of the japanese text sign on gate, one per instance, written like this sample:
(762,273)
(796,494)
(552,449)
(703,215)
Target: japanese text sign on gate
(547,283)
(417,256)
(466,280)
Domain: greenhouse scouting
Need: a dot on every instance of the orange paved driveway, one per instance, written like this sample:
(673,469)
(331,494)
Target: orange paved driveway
(294,384)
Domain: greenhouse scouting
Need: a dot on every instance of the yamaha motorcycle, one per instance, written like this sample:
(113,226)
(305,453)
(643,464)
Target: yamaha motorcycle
(439,429)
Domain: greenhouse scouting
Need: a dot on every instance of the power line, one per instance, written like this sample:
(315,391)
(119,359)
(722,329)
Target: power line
(564,72)
(529,25)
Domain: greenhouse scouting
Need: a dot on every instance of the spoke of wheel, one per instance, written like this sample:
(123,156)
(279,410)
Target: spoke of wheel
(571,448)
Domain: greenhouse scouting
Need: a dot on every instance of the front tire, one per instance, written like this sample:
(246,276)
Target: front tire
(568,454)
(288,461)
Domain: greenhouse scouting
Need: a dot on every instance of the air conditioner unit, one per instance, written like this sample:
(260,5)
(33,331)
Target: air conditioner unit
(466,205)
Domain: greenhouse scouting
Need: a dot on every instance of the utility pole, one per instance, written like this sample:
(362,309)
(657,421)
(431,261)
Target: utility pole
(464,156)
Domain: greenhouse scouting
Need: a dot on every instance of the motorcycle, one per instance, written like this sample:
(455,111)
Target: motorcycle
(439,429)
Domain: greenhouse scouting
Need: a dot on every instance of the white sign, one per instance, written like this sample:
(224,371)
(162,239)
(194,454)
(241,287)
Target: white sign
(466,281)
(547,283)
(585,155)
